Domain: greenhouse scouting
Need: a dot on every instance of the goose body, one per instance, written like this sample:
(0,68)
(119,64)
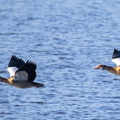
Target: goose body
(22,74)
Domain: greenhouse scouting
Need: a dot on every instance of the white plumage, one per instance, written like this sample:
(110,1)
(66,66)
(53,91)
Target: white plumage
(116,61)
(18,75)
(12,70)
(116,57)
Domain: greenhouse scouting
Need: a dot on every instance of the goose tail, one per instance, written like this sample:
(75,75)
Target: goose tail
(38,84)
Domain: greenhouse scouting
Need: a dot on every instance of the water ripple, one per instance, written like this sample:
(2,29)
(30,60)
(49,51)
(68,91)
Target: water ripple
(66,39)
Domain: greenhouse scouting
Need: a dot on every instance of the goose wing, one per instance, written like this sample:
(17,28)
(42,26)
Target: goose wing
(26,72)
(14,64)
(116,57)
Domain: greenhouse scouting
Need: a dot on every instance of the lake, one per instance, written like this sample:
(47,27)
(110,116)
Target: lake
(66,39)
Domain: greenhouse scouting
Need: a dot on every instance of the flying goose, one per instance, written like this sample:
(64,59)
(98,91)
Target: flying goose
(116,60)
(22,74)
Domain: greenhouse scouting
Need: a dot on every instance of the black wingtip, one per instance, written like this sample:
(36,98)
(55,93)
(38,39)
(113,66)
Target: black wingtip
(32,64)
(116,54)
(15,62)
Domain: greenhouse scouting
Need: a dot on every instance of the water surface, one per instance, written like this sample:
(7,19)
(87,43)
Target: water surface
(66,39)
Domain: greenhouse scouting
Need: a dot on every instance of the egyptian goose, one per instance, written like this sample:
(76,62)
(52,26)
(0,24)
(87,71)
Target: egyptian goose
(116,60)
(22,74)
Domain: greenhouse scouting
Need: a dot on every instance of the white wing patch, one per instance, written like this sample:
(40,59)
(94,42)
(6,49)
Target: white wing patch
(12,71)
(21,76)
(116,61)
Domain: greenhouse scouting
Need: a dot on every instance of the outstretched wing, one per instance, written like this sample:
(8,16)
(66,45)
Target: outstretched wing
(14,64)
(26,72)
(116,57)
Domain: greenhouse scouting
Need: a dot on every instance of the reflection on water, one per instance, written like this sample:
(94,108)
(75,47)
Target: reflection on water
(66,39)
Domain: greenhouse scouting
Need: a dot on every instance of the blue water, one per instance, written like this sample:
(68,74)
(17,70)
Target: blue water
(66,39)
